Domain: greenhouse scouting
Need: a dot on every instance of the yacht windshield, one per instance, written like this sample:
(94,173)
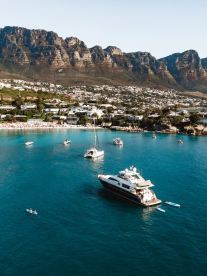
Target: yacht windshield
(135,176)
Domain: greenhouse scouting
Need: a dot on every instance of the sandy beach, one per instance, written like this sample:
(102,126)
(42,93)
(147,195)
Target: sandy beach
(43,125)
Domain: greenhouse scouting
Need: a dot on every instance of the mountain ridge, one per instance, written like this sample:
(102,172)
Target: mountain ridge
(43,55)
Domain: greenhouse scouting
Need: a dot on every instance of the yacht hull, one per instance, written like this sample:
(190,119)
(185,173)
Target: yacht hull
(94,156)
(125,194)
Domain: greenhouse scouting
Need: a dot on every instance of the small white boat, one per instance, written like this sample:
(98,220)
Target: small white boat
(160,209)
(66,142)
(154,135)
(180,141)
(172,204)
(118,141)
(28,143)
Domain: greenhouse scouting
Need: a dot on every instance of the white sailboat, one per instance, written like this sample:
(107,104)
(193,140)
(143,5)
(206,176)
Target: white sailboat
(93,152)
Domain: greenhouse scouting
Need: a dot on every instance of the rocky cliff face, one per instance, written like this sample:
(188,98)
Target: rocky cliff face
(44,55)
(204,63)
(187,70)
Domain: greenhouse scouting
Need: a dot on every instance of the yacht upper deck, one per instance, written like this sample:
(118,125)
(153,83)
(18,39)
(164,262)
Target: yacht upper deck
(135,178)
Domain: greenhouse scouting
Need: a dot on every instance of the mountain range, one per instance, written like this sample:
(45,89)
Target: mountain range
(44,56)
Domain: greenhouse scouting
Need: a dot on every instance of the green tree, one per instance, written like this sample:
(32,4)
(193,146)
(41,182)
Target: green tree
(40,107)
(48,118)
(194,117)
(2,99)
(18,102)
(83,120)
(95,115)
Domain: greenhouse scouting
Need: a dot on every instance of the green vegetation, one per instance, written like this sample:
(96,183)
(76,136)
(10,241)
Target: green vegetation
(6,93)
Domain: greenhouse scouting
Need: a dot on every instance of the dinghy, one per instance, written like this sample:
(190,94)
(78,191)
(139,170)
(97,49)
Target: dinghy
(172,204)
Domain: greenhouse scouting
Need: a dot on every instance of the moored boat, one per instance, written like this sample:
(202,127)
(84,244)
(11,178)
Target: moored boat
(93,152)
(28,143)
(118,141)
(66,142)
(131,185)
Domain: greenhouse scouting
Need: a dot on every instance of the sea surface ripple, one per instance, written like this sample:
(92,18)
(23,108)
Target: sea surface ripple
(81,229)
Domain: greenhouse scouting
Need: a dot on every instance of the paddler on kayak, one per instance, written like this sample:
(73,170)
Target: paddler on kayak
(30,210)
(35,212)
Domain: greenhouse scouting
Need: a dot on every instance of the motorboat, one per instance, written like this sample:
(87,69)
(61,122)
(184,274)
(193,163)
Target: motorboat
(131,185)
(66,142)
(93,152)
(180,141)
(118,141)
(28,143)
(154,136)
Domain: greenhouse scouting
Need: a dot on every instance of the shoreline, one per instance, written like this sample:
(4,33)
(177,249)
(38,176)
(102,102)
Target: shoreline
(53,126)
(25,126)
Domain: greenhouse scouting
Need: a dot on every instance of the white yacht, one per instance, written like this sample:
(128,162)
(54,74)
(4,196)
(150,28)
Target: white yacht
(118,141)
(131,185)
(93,152)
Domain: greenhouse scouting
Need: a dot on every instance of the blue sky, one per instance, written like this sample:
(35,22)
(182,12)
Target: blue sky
(159,27)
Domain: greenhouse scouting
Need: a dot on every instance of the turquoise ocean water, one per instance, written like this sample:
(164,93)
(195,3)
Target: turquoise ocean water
(81,229)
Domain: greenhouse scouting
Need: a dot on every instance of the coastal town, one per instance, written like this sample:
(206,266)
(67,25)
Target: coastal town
(25,104)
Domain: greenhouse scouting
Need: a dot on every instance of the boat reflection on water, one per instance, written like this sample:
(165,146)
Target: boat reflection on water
(148,212)
(113,198)
(96,163)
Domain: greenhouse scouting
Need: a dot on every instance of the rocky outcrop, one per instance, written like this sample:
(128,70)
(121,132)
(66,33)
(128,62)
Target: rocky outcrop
(114,51)
(204,63)
(145,63)
(187,70)
(40,54)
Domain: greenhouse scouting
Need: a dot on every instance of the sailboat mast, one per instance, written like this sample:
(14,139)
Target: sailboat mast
(94,135)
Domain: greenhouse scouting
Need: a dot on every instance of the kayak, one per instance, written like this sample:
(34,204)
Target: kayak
(160,209)
(30,212)
(172,204)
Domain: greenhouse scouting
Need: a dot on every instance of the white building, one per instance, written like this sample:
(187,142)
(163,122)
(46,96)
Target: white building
(51,110)
(28,107)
